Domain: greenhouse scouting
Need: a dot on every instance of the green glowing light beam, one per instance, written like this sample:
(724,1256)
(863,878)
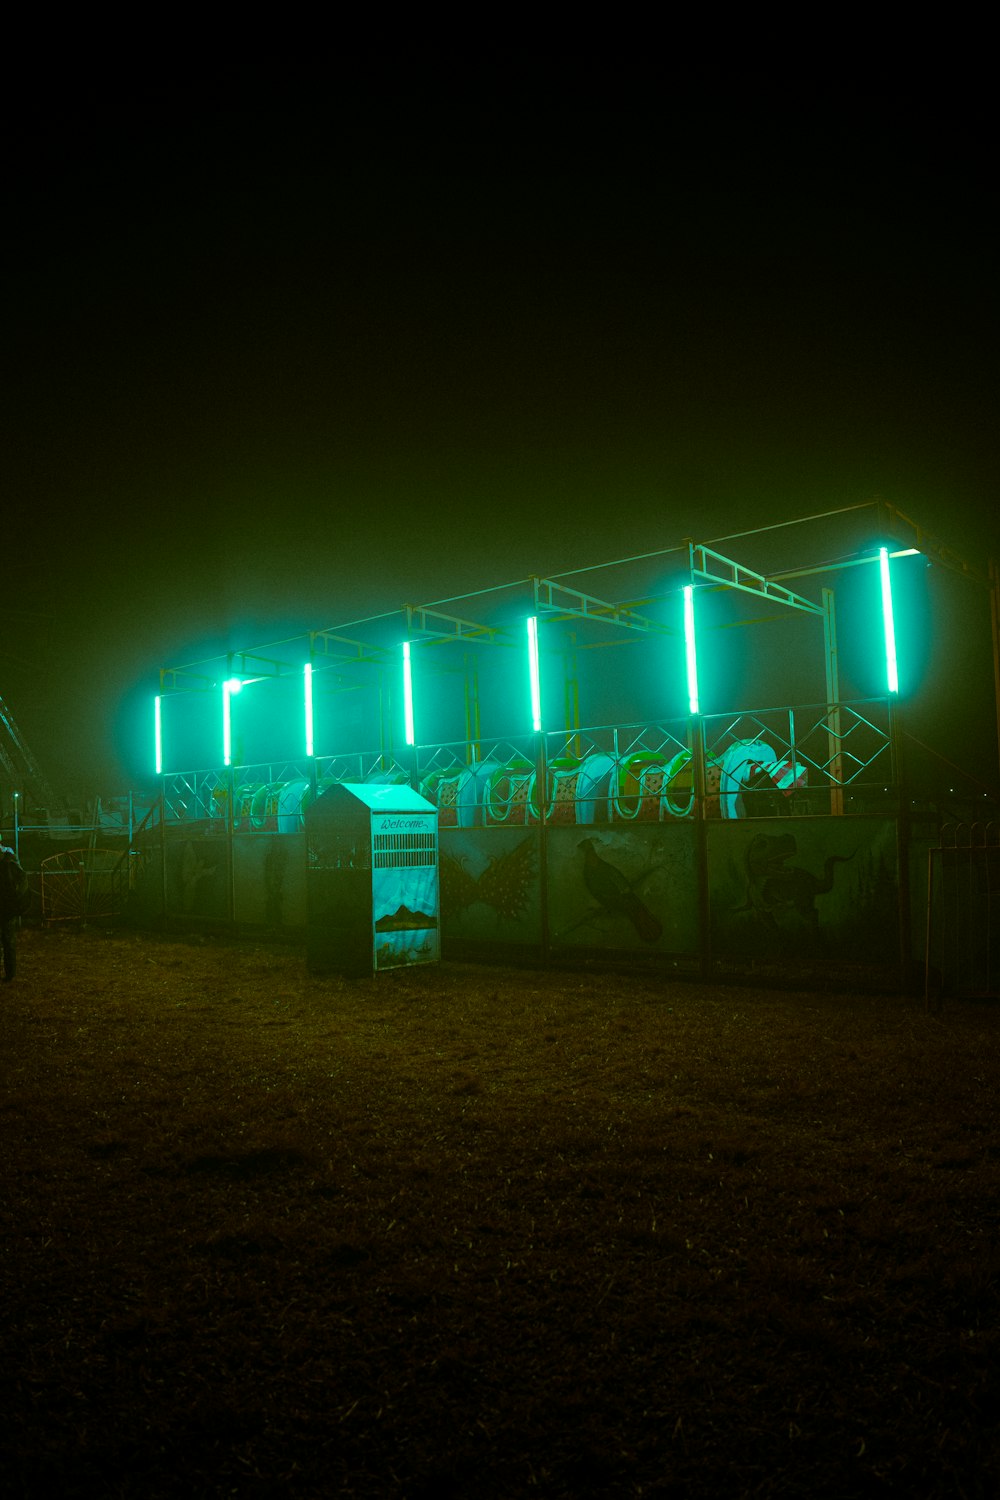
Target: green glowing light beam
(410,734)
(231,686)
(888,623)
(534,674)
(307,684)
(690,649)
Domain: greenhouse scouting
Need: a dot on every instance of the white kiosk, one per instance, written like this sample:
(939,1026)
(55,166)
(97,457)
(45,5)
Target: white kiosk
(372,896)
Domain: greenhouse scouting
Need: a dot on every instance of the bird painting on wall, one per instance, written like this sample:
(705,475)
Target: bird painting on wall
(616,894)
(505,884)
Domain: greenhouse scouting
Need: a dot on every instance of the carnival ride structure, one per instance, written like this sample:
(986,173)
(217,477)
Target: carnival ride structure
(679,689)
(19,768)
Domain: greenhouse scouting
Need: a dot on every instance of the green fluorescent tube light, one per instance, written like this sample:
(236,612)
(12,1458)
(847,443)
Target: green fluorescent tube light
(888,623)
(233,685)
(536,686)
(307,677)
(408,694)
(690,649)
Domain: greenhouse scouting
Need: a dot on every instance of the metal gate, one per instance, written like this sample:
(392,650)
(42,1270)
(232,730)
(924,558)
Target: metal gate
(963,912)
(78,885)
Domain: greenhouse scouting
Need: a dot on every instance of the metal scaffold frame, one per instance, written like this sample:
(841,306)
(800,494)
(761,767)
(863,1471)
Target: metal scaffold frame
(573,622)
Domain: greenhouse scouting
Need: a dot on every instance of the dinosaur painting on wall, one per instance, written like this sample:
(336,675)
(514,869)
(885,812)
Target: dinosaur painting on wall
(777,890)
(826,889)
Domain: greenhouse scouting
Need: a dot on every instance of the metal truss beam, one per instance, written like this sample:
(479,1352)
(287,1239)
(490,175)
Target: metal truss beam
(893,526)
(250,664)
(902,528)
(714,568)
(327,642)
(246,664)
(572,604)
(201,679)
(421,617)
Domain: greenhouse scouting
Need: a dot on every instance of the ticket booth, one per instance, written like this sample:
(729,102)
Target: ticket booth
(372,899)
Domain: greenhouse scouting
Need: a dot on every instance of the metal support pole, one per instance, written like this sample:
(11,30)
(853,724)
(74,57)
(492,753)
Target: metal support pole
(230,844)
(835,764)
(902,841)
(696,733)
(541,792)
(995,625)
(472,729)
(571,697)
(385,739)
(927,934)
(163,853)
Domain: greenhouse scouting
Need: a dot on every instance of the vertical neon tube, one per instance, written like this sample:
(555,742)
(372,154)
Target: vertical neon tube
(158,733)
(690,649)
(307,677)
(227,726)
(228,689)
(408,694)
(889,625)
(535,677)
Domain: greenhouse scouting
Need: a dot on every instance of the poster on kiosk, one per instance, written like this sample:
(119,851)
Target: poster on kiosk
(405,903)
(372,879)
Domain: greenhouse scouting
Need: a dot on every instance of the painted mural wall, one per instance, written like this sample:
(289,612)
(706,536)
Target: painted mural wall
(269,879)
(812,889)
(491,885)
(624,888)
(805,888)
(270,875)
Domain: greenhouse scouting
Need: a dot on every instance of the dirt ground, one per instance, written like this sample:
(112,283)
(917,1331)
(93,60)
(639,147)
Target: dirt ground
(466,1231)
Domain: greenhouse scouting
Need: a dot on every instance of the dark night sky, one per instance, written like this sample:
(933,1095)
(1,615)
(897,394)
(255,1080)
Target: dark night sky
(274,361)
